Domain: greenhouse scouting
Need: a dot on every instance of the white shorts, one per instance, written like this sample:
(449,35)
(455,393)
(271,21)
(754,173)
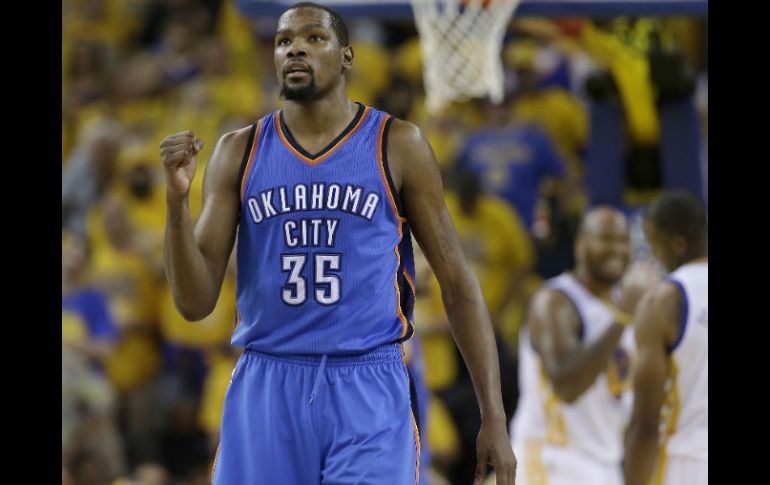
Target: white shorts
(540,464)
(681,470)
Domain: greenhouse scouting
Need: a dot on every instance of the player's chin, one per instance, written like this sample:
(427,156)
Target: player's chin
(611,275)
(614,268)
(297,91)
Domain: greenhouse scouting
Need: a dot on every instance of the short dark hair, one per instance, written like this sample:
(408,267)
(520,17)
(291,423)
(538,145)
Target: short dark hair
(338,25)
(679,212)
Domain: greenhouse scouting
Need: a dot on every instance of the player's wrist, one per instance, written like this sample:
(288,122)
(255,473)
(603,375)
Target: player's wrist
(621,317)
(492,414)
(176,199)
(177,211)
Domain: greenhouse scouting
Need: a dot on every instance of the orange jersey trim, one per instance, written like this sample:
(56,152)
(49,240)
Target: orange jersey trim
(315,161)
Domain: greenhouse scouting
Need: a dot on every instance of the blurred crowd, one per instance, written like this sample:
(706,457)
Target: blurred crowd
(142,389)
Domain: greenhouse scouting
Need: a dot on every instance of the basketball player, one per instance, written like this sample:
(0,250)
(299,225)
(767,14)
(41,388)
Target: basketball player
(669,423)
(574,361)
(325,195)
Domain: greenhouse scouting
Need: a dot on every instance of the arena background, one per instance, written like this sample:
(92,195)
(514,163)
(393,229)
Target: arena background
(613,92)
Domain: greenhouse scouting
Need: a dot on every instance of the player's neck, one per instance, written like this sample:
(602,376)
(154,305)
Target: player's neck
(330,114)
(699,259)
(598,288)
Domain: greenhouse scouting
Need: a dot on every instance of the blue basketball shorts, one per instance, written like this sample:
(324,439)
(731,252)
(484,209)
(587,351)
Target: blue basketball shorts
(308,420)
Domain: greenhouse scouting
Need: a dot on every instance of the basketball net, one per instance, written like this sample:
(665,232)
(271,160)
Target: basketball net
(461,41)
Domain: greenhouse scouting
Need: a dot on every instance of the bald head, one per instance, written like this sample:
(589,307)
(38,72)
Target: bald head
(602,247)
(599,218)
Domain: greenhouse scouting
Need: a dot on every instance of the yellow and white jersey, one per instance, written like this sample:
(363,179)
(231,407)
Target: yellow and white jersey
(685,412)
(591,428)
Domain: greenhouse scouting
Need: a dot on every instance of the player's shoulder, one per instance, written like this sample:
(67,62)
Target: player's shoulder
(550,301)
(225,162)
(552,312)
(237,138)
(409,154)
(660,310)
(663,296)
(232,145)
(404,132)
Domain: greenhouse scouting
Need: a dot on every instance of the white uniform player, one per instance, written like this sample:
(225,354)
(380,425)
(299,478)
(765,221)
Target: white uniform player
(667,437)
(579,443)
(684,423)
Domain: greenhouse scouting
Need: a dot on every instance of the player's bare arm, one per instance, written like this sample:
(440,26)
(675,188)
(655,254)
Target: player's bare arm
(196,258)
(571,366)
(417,177)
(656,326)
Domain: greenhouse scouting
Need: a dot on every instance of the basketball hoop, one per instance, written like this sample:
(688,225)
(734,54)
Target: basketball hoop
(460,42)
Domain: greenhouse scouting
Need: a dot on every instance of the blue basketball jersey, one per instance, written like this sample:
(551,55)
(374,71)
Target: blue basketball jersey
(325,262)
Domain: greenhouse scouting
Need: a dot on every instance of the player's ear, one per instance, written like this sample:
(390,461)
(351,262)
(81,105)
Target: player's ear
(679,244)
(578,248)
(347,57)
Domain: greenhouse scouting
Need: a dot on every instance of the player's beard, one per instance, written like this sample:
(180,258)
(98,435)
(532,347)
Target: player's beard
(303,93)
(599,273)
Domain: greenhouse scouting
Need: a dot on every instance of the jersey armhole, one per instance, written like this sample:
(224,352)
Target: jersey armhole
(683,319)
(391,187)
(581,322)
(244,169)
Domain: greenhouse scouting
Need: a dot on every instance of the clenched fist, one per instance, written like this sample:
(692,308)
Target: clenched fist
(178,154)
(638,278)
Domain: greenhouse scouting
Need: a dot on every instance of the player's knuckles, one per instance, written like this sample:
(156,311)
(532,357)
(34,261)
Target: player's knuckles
(177,140)
(179,146)
(168,156)
(173,140)
(175,160)
(179,152)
